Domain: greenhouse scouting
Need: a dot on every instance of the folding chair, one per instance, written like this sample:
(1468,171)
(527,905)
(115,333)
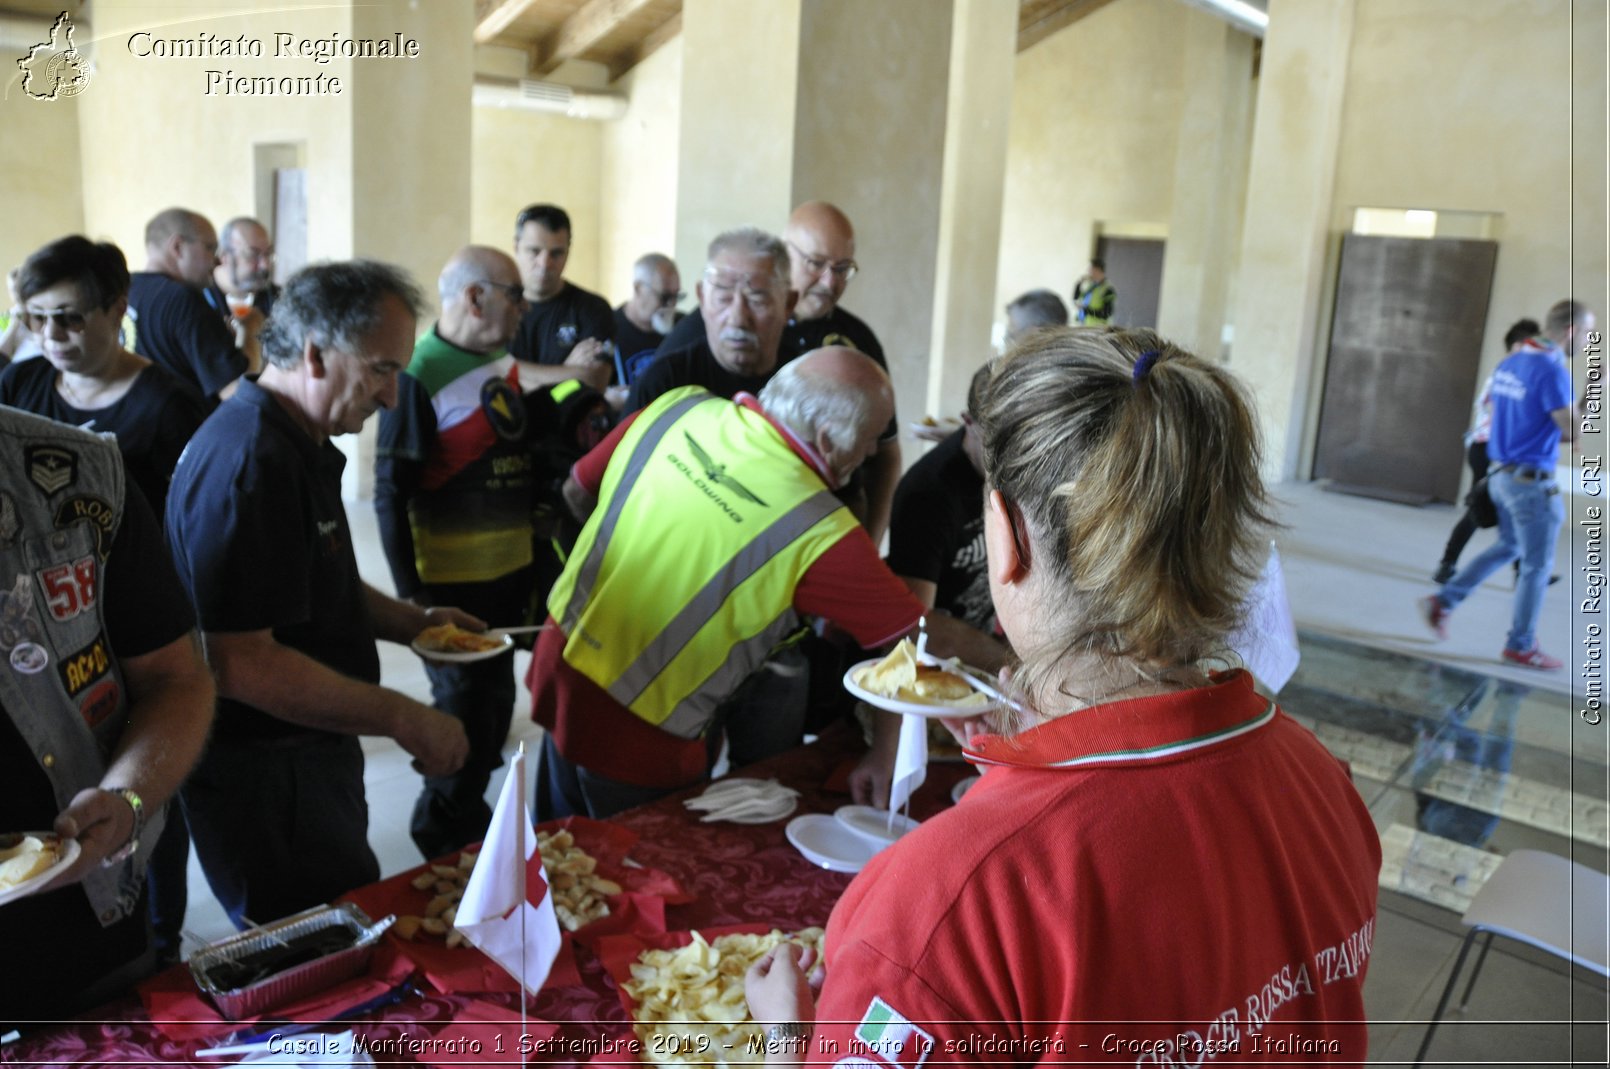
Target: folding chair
(1540,899)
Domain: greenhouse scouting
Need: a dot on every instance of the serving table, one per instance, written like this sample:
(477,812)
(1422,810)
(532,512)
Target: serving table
(733,874)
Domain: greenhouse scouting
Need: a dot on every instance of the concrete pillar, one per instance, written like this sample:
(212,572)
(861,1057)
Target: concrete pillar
(869,136)
(1210,184)
(411,126)
(735,154)
(897,113)
(1284,243)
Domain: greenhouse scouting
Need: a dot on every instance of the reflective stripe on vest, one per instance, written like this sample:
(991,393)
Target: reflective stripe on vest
(727,594)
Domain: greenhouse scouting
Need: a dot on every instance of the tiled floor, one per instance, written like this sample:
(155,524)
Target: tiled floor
(1460,759)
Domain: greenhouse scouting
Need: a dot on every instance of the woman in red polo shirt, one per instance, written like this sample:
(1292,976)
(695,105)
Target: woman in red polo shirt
(1159,866)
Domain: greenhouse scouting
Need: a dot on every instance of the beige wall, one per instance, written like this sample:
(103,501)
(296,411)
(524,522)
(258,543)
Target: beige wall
(639,175)
(869,136)
(39,179)
(411,138)
(1484,127)
(151,138)
(529,157)
(735,161)
(1095,121)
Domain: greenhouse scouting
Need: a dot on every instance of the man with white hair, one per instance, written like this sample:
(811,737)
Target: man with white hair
(819,254)
(454,486)
(642,322)
(744,303)
(725,510)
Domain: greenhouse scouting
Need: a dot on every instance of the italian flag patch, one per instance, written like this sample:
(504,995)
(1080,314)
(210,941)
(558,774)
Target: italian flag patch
(893,1038)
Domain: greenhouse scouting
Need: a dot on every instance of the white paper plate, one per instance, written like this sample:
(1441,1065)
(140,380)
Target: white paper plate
(68,849)
(962,787)
(873,823)
(506,643)
(895,705)
(826,842)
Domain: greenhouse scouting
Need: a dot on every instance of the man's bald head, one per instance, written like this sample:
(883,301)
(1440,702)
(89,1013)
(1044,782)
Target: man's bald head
(481,298)
(821,251)
(837,399)
(181,244)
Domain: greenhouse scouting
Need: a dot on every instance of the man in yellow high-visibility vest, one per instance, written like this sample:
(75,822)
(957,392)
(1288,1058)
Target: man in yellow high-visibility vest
(712,531)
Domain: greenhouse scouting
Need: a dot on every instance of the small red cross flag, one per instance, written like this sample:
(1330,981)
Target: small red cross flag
(507,911)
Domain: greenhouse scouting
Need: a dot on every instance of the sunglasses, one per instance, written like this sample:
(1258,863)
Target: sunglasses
(67,318)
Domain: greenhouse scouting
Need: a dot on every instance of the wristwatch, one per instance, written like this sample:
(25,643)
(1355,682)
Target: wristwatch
(137,804)
(787,1032)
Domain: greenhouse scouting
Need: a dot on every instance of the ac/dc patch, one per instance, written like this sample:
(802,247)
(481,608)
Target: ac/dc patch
(50,467)
(79,670)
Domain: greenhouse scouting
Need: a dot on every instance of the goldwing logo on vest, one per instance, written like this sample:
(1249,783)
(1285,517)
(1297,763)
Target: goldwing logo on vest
(51,468)
(504,409)
(717,473)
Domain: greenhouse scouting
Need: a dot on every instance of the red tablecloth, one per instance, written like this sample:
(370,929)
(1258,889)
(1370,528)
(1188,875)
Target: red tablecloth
(737,874)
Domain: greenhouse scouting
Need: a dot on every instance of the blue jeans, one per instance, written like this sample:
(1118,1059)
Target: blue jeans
(1530,515)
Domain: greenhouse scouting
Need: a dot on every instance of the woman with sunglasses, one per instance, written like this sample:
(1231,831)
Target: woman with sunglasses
(73,295)
(1158,866)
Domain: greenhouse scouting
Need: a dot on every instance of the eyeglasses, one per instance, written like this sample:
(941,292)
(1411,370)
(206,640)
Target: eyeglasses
(210,246)
(668,297)
(844,269)
(722,290)
(515,294)
(67,318)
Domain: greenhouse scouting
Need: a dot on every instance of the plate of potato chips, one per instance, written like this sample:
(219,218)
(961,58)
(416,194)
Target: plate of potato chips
(685,991)
(29,860)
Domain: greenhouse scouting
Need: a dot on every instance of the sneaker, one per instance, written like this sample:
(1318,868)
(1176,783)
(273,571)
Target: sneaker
(1532,658)
(1443,573)
(1436,615)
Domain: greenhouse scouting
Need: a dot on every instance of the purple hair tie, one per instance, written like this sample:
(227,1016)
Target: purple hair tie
(1144,364)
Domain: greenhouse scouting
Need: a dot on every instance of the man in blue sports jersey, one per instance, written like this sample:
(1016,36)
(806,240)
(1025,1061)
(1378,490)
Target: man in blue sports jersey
(1532,413)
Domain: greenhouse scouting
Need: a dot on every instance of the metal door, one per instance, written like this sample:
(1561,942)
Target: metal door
(1405,347)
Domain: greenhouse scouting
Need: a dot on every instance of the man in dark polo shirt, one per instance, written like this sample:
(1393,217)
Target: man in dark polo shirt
(169,320)
(567,330)
(260,538)
(821,250)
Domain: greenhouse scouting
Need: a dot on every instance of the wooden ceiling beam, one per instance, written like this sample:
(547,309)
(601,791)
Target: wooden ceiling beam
(651,42)
(1040,20)
(588,25)
(492,17)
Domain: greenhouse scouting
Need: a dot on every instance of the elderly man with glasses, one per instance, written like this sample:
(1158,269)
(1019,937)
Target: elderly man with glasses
(820,244)
(244,277)
(454,489)
(169,320)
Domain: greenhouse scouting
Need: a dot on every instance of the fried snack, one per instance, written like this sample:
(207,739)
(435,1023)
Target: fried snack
(25,860)
(690,1001)
(899,676)
(451,638)
(579,894)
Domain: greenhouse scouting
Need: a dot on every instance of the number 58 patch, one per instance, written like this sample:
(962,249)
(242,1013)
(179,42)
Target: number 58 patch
(69,588)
